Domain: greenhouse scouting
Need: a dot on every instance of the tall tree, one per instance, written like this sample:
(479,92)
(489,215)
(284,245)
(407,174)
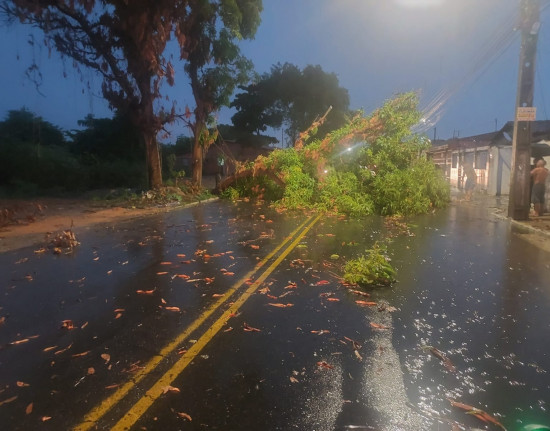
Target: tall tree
(124,42)
(215,65)
(291,98)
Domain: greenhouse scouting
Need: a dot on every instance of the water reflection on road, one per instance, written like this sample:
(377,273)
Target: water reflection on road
(473,288)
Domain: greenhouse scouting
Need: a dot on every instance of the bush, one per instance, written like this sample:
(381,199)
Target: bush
(374,269)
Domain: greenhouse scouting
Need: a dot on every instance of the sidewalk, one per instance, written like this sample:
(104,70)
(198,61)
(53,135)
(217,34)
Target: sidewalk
(537,224)
(536,230)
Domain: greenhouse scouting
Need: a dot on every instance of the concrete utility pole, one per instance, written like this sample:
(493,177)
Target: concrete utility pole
(519,203)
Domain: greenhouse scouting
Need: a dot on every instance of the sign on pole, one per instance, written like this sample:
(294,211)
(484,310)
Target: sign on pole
(526,113)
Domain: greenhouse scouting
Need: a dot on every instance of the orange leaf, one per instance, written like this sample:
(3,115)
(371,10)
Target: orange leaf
(333,299)
(358,292)
(169,388)
(22,384)
(184,276)
(45,418)
(323,364)
(28,410)
(106,357)
(254,246)
(67,324)
(172,308)
(293,379)
(248,328)
(47,349)
(58,352)
(91,371)
(228,273)
(366,303)
(112,386)
(24,340)
(378,326)
(184,416)
(180,255)
(79,355)
(217,295)
(145,292)
(166,263)
(320,332)
(322,282)
(118,316)
(278,304)
(9,400)
(162,273)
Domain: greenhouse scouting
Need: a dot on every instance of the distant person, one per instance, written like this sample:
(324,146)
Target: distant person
(539,175)
(471,180)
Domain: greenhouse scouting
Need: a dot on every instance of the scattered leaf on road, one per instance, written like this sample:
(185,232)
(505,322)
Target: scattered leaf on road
(67,324)
(145,292)
(184,416)
(378,326)
(365,303)
(9,400)
(249,328)
(326,365)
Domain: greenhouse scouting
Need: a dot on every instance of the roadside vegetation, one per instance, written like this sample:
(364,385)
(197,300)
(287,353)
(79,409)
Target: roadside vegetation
(103,161)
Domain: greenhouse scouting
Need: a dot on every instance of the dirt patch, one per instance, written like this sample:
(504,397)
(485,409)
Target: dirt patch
(27,223)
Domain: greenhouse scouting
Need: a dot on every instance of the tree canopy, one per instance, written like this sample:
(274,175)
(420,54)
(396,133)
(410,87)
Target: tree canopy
(215,65)
(125,43)
(24,126)
(291,98)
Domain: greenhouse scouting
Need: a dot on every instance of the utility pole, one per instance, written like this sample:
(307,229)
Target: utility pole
(519,203)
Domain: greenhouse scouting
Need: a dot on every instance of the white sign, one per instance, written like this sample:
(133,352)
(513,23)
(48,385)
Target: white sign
(526,113)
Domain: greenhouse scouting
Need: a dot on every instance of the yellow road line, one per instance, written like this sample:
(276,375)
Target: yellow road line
(108,403)
(141,406)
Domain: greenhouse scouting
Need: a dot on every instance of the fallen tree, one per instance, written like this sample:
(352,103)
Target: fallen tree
(374,164)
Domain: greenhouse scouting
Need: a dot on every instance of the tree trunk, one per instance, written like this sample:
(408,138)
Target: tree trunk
(197,160)
(154,169)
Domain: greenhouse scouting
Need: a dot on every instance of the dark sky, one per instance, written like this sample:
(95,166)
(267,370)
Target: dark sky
(461,56)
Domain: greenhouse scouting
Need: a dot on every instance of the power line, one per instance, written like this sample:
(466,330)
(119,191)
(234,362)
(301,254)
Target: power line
(500,40)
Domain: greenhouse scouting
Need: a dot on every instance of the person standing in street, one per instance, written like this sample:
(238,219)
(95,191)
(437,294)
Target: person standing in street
(471,180)
(539,175)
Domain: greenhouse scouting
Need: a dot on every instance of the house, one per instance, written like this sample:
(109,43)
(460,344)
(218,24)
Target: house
(232,148)
(490,154)
(225,155)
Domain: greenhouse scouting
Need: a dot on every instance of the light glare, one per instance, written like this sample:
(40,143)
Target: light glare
(420,3)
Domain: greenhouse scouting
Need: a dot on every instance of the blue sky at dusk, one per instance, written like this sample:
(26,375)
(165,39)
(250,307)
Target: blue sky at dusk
(455,53)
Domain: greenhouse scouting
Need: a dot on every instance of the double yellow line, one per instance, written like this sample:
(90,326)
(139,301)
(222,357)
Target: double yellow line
(141,406)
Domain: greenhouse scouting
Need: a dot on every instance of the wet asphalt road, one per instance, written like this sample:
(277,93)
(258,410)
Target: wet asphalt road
(468,285)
